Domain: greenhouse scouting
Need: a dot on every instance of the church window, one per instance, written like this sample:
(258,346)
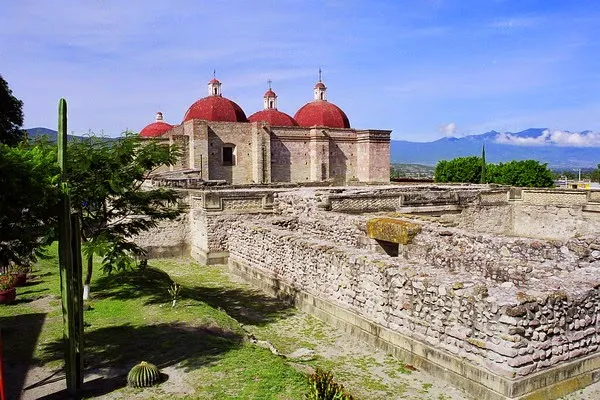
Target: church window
(271,104)
(228,155)
(321,95)
(214,90)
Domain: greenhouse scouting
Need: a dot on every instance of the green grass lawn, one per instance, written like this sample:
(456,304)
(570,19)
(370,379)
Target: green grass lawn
(131,320)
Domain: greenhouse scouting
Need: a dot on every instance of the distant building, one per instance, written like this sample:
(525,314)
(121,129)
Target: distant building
(316,145)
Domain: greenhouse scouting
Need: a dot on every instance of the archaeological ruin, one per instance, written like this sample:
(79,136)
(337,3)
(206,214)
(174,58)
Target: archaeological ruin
(493,289)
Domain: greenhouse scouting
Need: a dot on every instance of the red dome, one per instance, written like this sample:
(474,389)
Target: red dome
(322,113)
(270,93)
(320,85)
(273,117)
(215,108)
(156,128)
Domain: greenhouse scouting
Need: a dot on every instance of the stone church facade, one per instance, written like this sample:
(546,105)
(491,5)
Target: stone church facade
(219,142)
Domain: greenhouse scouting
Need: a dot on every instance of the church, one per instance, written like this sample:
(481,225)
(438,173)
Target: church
(219,142)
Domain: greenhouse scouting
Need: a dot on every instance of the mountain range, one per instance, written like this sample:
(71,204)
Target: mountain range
(534,143)
(557,149)
(50,134)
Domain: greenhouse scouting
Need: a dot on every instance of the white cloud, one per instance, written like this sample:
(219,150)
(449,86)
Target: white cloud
(519,22)
(552,138)
(448,129)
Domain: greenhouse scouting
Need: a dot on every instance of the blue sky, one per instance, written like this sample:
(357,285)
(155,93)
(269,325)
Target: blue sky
(423,68)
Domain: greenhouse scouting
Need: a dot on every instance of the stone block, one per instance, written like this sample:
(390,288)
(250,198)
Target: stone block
(392,230)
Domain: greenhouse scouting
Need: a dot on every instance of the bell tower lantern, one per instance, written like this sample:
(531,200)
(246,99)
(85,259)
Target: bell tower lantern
(320,89)
(214,86)
(270,99)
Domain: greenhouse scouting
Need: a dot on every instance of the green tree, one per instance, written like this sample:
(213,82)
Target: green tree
(461,169)
(106,180)
(526,173)
(29,180)
(11,116)
(595,174)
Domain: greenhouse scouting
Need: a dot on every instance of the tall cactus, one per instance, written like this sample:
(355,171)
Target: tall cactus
(483,166)
(69,248)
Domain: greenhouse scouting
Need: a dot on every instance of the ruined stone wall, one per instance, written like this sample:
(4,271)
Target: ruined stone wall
(531,220)
(511,331)
(496,219)
(554,222)
(554,196)
(500,258)
(364,203)
(383,198)
(345,229)
(210,231)
(171,238)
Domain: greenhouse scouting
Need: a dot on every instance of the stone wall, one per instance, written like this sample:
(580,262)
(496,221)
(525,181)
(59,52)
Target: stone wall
(500,258)
(216,212)
(346,229)
(372,155)
(377,199)
(290,158)
(238,135)
(532,220)
(508,330)
(171,238)
(554,222)
(364,203)
(554,197)
(343,157)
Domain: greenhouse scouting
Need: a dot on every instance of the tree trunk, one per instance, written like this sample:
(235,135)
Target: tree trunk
(88,278)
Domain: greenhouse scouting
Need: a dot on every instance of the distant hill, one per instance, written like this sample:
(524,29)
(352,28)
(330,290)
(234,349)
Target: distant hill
(429,153)
(51,134)
(33,133)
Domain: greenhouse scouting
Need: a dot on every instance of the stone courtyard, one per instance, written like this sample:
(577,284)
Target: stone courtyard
(493,289)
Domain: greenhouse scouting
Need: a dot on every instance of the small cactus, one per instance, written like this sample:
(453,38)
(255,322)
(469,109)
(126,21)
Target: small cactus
(143,375)
(322,387)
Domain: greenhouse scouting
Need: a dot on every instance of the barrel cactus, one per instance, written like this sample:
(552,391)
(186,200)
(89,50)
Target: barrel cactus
(143,375)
